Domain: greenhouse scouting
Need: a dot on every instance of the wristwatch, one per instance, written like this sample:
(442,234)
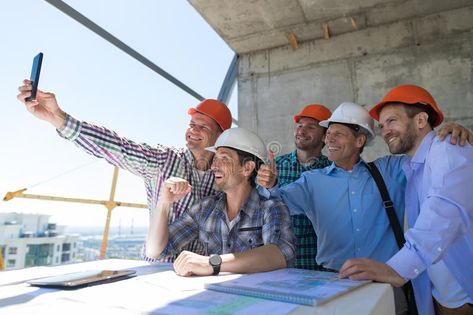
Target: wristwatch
(215,261)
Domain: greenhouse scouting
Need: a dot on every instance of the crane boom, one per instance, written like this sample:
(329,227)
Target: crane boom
(9,194)
(109,204)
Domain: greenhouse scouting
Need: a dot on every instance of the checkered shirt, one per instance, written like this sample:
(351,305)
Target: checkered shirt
(260,222)
(152,164)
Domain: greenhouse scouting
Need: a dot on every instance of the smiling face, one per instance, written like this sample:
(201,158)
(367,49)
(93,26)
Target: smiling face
(308,134)
(202,132)
(397,129)
(343,146)
(229,173)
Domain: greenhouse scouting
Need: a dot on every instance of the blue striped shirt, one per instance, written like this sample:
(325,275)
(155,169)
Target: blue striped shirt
(440,218)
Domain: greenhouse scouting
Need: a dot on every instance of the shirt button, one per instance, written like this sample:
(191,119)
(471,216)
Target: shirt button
(358,230)
(352,192)
(358,249)
(439,249)
(416,271)
(355,210)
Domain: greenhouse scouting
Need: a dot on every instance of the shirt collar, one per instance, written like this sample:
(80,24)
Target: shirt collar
(249,207)
(220,201)
(190,159)
(252,203)
(423,149)
(293,157)
(189,156)
(333,167)
(411,164)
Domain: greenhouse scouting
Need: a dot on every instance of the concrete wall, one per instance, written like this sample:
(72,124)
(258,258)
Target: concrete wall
(433,50)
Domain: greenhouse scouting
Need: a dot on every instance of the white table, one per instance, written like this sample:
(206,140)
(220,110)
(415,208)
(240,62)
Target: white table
(156,289)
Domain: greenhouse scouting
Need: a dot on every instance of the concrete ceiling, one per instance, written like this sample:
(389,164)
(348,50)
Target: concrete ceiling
(251,25)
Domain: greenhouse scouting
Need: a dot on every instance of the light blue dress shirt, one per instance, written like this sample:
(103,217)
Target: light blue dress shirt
(439,211)
(346,210)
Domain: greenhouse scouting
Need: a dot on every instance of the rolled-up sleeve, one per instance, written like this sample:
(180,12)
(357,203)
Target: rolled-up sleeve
(181,232)
(140,159)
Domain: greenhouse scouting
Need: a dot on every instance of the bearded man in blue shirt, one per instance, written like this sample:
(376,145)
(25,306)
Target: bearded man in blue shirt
(438,253)
(342,200)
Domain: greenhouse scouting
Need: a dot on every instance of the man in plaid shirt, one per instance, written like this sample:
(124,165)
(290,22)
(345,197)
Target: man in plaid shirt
(308,139)
(242,231)
(152,164)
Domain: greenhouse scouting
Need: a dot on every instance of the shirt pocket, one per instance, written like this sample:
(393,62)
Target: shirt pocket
(211,241)
(251,236)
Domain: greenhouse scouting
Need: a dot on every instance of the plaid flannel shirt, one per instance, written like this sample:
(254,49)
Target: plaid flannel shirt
(289,170)
(260,222)
(152,164)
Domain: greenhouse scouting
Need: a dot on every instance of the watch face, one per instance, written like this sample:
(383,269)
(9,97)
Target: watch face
(215,260)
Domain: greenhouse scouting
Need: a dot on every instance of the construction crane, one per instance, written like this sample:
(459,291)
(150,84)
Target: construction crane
(110,204)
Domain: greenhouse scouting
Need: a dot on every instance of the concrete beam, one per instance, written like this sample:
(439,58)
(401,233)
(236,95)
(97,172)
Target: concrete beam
(434,51)
(372,40)
(257,25)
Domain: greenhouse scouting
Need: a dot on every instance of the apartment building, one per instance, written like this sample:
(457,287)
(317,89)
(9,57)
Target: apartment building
(28,240)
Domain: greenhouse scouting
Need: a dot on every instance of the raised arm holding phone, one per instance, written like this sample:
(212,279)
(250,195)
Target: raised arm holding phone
(154,164)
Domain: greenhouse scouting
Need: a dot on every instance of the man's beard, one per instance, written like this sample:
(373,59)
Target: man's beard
(406,141)
(306,146)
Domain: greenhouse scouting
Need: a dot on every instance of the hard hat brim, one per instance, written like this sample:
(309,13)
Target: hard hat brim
(374,112)
(211,149)
(214,150)
(369,140)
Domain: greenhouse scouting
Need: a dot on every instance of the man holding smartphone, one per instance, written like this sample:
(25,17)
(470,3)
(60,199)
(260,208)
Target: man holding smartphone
(153,164)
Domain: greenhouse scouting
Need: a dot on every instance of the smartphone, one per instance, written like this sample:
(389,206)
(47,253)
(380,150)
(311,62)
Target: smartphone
(35,70)
(82,278)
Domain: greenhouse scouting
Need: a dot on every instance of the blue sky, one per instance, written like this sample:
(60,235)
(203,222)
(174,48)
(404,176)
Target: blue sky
(96,82)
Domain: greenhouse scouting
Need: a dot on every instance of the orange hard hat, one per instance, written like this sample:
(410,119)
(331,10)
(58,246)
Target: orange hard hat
(315,111)
(215,110)
(409,95)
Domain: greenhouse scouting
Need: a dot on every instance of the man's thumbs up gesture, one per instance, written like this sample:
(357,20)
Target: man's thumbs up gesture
(267,173)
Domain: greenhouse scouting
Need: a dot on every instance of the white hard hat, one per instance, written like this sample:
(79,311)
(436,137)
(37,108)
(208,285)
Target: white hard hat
(354,114)
(241,139)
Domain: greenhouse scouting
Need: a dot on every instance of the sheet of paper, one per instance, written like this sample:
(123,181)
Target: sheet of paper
(210,302)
